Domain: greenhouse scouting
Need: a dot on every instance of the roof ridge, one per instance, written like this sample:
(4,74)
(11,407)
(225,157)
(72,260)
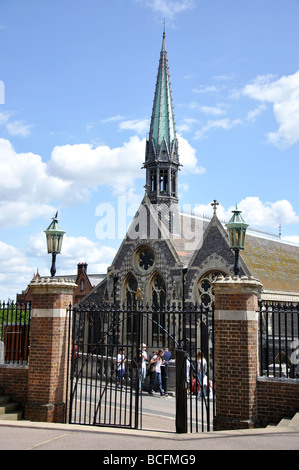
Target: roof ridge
(252,230)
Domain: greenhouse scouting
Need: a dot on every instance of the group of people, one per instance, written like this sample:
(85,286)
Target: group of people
(158,371)
(197,379)
(156,368)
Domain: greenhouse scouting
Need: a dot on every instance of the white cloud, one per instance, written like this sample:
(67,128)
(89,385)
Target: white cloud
(16,214)
(207,210)
(186,124)
(269,214)
(188,157)
(18,128)
(116,118)
(168,8)
(284,95)
(252,115)
(292,239)
(140,126)
(224,124)
(15,272)
(214,110)
(255,212)
(74,250)
(33,188)
(26,191)
(114,167)
(223,77)
(14,127)
(4,117)
(206,89)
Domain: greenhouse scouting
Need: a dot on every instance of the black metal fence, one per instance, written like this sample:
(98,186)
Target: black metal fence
(14,332)
(279,339)
(104,393)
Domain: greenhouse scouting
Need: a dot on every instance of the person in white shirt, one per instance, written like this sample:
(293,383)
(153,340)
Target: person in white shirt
(201,371)
(143,361)
(121,368)
(188,375)
(159,360)
(143,356)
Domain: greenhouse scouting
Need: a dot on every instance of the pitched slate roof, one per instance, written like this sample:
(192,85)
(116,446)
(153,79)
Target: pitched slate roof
(274,262)
(188,236)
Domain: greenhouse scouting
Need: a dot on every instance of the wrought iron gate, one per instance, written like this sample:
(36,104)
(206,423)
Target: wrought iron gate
(107,383)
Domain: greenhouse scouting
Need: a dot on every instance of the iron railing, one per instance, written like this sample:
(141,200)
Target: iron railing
(99,332)
(14,332)
(279,339)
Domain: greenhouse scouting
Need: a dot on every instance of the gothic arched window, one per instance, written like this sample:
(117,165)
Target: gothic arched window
(131,289)
(205,291)
(158,293)
(163,181)
(158,303)
(130,321)
(154,180)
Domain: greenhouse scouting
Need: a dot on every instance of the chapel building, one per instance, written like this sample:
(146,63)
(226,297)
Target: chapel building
(168,257)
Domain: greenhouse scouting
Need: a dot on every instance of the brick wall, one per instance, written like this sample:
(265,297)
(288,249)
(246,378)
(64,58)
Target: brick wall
(13,382)
(242,399)
(82,281)
(49,353)
(236,301)
(236,353)
(51,300)
(277,399)
(49,341)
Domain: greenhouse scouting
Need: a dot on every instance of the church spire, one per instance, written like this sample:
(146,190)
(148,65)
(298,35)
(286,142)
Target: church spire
(161,157)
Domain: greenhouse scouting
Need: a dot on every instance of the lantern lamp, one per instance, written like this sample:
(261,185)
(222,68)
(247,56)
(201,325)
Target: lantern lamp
(54,236)
(236,229)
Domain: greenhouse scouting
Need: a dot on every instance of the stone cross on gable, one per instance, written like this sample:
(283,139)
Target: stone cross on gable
(214,205)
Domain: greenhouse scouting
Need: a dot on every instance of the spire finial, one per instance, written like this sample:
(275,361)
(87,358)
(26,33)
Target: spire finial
(214,205)
(164,36)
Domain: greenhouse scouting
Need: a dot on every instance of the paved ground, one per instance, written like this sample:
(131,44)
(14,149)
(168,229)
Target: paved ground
(158,414)
(25,435)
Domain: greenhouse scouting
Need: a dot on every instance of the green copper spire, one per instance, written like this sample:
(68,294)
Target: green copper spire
(161,156)
(162,136)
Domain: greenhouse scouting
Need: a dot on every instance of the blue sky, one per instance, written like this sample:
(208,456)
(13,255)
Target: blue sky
(77,82)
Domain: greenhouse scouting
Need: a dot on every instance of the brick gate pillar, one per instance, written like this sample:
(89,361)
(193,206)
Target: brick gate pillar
(49,349)
(236,352)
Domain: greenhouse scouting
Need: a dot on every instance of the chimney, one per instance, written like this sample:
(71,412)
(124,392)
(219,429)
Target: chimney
(82,267)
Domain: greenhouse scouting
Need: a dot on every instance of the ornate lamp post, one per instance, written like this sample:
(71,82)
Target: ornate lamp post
(54,236)
(236,229)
